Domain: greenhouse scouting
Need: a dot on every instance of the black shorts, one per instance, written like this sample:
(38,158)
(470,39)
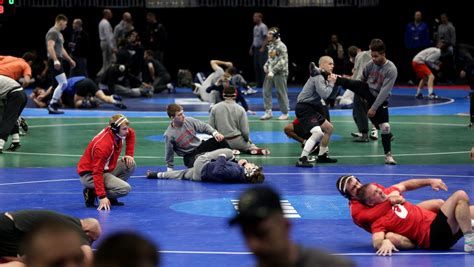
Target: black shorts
(53,71)
(309,117)
(10,237)
(441,236)
(381,115)
(86,87)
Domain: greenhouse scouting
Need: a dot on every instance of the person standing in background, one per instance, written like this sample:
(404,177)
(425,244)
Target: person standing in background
(258,49)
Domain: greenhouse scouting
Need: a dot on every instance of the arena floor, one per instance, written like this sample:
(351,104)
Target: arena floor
(189,220)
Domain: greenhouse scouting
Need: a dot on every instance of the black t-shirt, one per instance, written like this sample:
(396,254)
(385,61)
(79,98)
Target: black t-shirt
(13,232)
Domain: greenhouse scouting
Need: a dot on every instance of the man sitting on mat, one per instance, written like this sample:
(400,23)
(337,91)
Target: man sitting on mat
(231,120)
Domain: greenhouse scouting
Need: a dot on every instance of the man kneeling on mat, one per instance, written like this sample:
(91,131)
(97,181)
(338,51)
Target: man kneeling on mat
(216,166)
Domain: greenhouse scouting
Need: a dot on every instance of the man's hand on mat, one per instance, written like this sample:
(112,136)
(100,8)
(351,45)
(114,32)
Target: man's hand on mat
(104,204)
(386,248)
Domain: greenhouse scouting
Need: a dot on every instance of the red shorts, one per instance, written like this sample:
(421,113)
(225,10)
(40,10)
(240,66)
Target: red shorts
(421,70)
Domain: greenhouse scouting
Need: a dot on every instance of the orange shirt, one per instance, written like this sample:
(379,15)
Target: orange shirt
(14,67)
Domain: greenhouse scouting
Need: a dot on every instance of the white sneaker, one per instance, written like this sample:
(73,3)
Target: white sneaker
(389,159)
(374,134)
(469,243)
(267,116)
(251,91)
(283,117)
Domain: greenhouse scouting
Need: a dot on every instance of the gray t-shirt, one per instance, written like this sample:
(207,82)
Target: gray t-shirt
(259,34)
(381,80)
(230,119)
(315,89)
(361,60)
(184,140)
(55,35)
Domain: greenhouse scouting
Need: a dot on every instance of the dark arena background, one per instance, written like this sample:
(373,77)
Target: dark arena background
(188,220)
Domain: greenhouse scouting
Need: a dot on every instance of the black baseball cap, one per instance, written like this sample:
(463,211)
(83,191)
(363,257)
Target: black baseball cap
(256,204)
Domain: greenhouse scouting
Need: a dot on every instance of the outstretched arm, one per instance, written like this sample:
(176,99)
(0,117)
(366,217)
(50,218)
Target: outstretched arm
(413,184)
(216,63)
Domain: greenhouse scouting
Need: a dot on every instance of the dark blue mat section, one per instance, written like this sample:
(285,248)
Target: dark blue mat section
(189,220)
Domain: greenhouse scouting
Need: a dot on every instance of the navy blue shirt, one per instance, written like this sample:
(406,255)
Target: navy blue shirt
(221,170)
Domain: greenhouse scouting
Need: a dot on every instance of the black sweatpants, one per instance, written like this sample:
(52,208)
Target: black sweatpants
(15,103)
(206,146)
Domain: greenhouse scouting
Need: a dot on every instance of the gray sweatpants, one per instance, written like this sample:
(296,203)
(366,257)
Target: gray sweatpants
(115,181)
(282,92)
(194,173)
(240,144)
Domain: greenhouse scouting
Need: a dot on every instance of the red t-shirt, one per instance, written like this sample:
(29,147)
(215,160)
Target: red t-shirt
(407,220)
(364,216)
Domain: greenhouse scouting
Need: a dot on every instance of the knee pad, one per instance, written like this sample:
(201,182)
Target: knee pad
(317,130)
(385,127)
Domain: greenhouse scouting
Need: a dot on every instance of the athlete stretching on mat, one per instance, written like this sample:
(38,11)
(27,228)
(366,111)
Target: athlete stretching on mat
(181,137)
(216,166)
(230,119)
(377,82)
(308,109)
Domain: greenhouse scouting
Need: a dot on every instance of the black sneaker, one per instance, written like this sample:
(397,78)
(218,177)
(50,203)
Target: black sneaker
(89,197)
(303,162)
(23,124)
(115,202)
(54,109)
(313,70)
(14,146)
(325,159)
(419,96)
(362,139)
(354,134)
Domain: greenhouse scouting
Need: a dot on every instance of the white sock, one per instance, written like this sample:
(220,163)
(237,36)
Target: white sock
(323,150)
(311,142)
(430,91)
(472,223)
(418,91)
(58,91)
(308,146)
(16,138)
(2,143)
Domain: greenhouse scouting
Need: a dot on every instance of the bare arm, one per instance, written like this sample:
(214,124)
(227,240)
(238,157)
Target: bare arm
(151,69)
(216,63)
(400,241)
(383,245)
(51,51)
(413,184)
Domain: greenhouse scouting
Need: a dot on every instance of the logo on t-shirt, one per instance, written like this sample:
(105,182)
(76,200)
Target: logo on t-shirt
(400,211)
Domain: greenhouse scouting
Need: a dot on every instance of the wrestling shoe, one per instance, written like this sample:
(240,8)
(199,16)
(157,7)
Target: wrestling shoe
(54,109)
(389,159)
(89,197)
(14,146)
(324,158)
(303,162)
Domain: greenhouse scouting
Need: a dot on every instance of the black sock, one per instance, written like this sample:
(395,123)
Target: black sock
(386,143)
